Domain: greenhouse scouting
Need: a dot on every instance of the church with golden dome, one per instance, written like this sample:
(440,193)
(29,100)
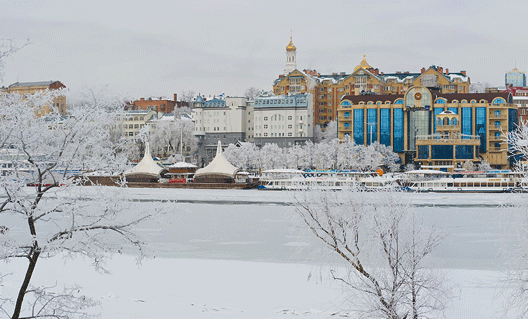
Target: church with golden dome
(328,89)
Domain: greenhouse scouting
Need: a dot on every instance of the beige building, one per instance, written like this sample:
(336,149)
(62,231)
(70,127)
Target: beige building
(28,88)
(328,89)
(408,123)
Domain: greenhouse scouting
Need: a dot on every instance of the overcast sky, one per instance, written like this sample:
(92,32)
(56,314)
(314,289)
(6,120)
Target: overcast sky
(148,48)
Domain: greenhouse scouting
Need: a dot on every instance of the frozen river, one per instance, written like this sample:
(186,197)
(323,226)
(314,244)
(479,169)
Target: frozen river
(263,226)
(246,254)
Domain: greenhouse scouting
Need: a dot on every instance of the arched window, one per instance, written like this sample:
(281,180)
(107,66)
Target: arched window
(454,101)
(440,101)
(370,103)
(499,101)
(464,101)
(446,121)
(454,121)
(473,101)
(398,101)
(347,125)
(346,103)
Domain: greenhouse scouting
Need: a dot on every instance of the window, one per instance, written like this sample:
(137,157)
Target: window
(290,134)
(290,117)
(265,118)
(290,126)
(265,126)
(497,113)
(265,134)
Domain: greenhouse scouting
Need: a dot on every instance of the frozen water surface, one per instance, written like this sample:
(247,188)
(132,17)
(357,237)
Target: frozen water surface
(245,254)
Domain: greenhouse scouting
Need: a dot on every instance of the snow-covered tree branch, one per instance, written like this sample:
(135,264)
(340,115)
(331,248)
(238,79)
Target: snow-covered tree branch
(383,246)
(40,192)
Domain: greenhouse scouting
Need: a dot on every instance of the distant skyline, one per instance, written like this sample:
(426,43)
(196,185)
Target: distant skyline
(144,48)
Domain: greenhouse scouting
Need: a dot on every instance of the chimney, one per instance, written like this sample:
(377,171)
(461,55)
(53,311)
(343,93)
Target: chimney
(334,73)
(463,72)
(447,71)
(381,73)
(281,76)
(376,71)
(398,72)
(440,70)
(423,70)
(175,97)
(142,99)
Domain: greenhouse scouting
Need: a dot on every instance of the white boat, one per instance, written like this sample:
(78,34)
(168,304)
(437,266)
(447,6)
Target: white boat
(292,179)
(497,181)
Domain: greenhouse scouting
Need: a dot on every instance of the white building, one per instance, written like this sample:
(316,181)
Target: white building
(227,120)
(133,121)
(283,119)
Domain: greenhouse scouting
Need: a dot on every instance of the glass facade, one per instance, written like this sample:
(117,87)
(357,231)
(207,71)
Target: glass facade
(442,151)
(372,126)
(385,127)
(398,130)
(467,121)
(464,152)
(453,109)
(437,111)
(418,126)
(423,152)
(480,127)
(359,127)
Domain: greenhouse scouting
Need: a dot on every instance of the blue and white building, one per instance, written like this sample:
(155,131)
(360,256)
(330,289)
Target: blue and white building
(285,120)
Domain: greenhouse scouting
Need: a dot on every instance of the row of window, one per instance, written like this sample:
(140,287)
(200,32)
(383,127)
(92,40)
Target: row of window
(438,101)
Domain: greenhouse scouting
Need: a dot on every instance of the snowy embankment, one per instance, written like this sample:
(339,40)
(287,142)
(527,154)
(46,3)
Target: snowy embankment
(243,254)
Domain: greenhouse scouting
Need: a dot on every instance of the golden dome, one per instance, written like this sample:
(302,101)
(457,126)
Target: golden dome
(363,65)
(290,46)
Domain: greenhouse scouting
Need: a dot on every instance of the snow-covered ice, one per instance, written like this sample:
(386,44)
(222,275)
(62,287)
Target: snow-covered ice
(244,254)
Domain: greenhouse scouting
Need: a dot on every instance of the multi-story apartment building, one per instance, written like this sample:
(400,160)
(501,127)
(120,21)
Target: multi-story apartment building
(162,105)
(134,120)
(285,120)
(515,78)
(28,88)
(328,89)
(227,120)
(400,120)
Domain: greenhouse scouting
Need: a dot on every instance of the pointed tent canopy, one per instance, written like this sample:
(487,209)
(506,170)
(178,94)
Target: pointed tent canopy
(219,166)
(146,166)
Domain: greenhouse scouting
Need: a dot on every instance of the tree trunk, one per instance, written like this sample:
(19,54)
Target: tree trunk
(32,262)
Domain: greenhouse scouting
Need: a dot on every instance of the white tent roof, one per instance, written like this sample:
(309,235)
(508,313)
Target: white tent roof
(218,166)
(146,165)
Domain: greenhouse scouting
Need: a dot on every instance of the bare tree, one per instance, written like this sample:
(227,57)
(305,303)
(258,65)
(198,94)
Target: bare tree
(517,274)
(252,93)
(188,96)
(383,246)
(7,48)
(41,192)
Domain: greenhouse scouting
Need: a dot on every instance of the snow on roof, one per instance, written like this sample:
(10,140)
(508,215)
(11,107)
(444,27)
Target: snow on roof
(453,76)
(218,166)
(146,166)
(24,84)
(182,165)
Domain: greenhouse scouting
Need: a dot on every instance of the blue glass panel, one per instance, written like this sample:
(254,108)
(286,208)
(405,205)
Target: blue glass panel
(499,101)
(398,130)
(347,103)
(437,111)
(442,151)
(464,151)
(359,127)
(467,121)
(513,115)
(423,151)
(480,127)
(347,114)
(440,101)
(372,126)
(453,109)
(385,127)
(399,101)
(347,124)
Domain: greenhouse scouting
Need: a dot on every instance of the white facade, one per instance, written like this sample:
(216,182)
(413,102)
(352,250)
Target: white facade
(283,119)
(221,116)
(133,121)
